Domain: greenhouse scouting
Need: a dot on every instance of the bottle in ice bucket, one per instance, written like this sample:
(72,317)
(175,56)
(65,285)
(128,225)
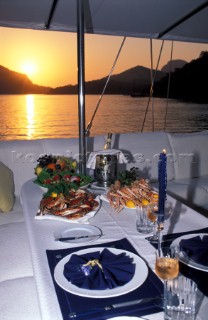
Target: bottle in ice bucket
(108,142)
(106,166)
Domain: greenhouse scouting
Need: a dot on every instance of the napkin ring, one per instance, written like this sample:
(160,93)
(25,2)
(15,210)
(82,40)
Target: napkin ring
(87,267)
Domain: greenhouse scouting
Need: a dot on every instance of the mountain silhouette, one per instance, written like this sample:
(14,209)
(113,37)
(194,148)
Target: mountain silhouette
(134,80)
(12,82)
(188,83)
(173,65)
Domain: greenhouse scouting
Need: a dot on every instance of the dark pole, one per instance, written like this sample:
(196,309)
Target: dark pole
(81,86)
(51,14)
(184,18)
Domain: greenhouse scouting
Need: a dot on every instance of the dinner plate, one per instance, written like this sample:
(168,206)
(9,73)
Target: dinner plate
(140,275)
(125,318)
(183,258)
(79,231)
(95,185)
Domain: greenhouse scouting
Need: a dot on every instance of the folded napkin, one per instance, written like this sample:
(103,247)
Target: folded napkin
(99,270)
(196,249)
(92,158)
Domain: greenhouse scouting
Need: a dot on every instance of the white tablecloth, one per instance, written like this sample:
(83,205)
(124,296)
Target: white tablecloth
(114,226)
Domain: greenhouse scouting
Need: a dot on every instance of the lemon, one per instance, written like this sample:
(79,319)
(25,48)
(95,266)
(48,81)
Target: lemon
(74,164)
(155,195)
(145,202)
(130,204)
(54,194)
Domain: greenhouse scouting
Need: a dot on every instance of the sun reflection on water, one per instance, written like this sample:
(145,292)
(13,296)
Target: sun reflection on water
(30,110)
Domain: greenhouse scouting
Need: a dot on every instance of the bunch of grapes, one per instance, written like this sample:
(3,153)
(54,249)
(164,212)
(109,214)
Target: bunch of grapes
(46,159)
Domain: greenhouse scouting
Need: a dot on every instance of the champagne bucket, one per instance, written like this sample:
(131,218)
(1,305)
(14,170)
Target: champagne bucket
(105,169)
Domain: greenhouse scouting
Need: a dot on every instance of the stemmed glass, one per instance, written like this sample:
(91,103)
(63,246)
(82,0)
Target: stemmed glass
(154,216)
(167,266)
(167,263)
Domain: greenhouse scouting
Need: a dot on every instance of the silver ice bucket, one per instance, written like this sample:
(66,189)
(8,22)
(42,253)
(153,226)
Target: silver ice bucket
(105,169)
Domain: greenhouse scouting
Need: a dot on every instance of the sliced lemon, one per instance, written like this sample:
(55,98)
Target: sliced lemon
(145,202)
(130,204)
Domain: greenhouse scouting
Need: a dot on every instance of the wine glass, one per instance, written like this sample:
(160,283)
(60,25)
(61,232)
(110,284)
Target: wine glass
(167,267)
(156,218)
(167,263)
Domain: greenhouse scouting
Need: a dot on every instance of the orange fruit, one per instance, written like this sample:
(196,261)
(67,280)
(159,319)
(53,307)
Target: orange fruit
(51,166)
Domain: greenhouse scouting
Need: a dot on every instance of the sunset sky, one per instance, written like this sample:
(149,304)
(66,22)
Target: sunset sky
(49,58)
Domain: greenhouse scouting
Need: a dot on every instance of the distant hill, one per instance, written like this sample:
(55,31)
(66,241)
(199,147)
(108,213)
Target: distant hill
(133,80)
(188,83)
(12,82)
(173,65)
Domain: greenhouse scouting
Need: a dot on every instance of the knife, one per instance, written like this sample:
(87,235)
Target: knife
(157,301)
(79,237)
(131,303)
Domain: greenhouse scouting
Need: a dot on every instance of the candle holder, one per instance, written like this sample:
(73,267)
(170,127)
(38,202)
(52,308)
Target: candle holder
(160,228)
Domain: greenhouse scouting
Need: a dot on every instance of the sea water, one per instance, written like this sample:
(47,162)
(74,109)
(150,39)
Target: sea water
(56,116)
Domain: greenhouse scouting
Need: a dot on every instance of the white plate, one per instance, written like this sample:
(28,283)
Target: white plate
(140,275)
(77,231)
(84,219)
(85,186)
(125,318)
(183,258)
(95,185)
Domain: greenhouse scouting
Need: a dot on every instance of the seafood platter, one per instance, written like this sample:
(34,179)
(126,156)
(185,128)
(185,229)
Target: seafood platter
(66,196)
(130,191)
(74,206)
(137,193)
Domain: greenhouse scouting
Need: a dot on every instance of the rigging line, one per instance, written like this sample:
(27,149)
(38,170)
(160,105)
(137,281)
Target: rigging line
(101,96)
(151,88)
(184,18)
(51,14)
(168,90)
(151,52)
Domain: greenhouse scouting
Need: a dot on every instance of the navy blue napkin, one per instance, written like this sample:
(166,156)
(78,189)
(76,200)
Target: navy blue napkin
(196,249)
(99,270)
(84,308)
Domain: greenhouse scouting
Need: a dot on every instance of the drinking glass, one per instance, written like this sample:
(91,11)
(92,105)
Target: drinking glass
(152,216)
(167,263)
(167,267)
(143,224)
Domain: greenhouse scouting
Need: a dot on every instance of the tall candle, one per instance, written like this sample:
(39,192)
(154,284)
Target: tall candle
(162,179)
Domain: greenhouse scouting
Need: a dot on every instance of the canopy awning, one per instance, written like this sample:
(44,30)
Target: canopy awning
(131,18)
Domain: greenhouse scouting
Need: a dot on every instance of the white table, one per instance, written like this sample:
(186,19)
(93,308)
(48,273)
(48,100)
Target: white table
(114,226)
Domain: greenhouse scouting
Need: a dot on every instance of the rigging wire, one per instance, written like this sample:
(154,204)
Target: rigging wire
(151,74)
(151,88)
(168,90)
(101,96)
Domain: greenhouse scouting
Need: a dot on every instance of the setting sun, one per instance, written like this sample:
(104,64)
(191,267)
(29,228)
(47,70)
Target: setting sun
(29,67)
